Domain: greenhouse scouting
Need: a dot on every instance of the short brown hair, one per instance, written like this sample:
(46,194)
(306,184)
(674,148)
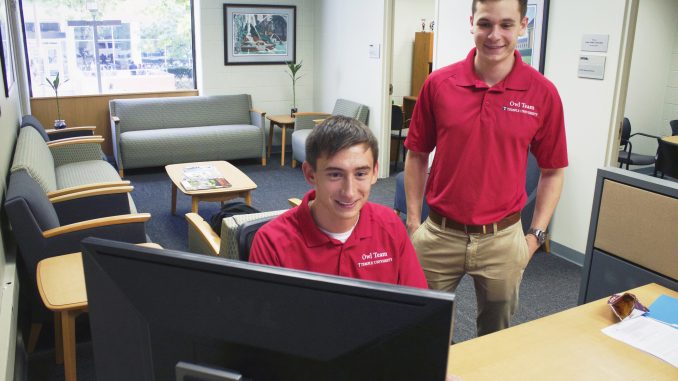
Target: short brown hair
(522,4)
(337,133)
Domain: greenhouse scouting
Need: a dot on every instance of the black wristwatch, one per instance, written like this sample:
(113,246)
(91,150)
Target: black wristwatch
(539,234)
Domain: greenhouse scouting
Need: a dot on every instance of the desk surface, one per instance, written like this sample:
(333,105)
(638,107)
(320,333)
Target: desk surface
(565,346)
(671,139)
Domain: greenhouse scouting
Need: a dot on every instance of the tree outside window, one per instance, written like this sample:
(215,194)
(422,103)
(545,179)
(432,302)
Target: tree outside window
(138,46)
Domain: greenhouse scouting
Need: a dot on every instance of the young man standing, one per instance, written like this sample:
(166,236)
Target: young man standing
(336,230)
(482,115)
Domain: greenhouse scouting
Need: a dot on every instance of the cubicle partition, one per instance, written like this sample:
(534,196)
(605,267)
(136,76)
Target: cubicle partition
(633,235)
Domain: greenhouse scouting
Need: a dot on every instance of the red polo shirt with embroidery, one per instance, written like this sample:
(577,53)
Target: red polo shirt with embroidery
(378,249)
(482,136)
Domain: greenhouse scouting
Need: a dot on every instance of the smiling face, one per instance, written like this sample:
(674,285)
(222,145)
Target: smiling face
(342,184)
(495,26)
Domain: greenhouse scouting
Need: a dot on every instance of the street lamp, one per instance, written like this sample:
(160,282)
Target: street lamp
(93,7)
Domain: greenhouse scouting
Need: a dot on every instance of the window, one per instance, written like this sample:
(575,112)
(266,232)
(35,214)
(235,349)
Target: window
(111,46)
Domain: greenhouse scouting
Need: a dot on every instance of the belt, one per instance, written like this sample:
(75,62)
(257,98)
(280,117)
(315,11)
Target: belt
(447,223)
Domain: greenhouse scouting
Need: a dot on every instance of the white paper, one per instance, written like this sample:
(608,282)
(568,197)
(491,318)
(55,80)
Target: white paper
(648,335)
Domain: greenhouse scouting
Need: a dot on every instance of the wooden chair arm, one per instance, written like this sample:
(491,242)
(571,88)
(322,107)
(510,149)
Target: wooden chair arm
(258,111)
(205,231)
(97,223)
(76,140)
(69,129)
(311,113)
(294,201)
(82,188)
(91,193)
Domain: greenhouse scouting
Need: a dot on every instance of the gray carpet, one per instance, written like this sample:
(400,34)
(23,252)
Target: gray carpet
(550,284)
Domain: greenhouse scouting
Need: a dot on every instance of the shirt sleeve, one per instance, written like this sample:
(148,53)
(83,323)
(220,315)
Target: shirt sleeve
(421,136)
(263,250)
(410,272)
(549,145)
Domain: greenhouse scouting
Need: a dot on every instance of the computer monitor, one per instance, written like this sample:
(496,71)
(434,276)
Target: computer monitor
(152,309)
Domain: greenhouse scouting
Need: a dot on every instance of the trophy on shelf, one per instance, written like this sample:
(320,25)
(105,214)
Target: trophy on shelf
(423,25)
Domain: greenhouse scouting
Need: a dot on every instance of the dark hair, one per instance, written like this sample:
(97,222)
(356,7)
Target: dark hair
(522,4)
(335,134)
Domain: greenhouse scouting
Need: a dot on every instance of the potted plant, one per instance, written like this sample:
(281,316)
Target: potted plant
(293,73)
(59,123)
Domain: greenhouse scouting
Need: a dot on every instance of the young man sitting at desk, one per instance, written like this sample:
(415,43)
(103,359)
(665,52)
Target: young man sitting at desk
(336,230)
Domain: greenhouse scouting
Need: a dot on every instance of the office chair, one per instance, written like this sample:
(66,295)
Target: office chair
(400,202)
(667,159)
(399,129)
(245,236)
(626,156)
(674,127)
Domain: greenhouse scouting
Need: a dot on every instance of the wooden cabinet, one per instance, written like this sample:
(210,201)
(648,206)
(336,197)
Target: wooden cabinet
(422,60)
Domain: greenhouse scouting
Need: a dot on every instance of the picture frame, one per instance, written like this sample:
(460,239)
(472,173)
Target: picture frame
(532,46)
(6,60)
(257,34)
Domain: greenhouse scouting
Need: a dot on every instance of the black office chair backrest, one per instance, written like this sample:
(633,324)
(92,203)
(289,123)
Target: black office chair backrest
(626,132)
(674,127)
(245,236)
(667,159)
(396,118)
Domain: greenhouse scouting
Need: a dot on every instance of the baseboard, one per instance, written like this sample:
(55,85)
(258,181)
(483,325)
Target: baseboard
(570,255)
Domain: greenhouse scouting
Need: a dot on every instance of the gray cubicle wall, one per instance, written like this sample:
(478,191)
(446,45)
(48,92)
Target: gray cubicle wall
(633,235)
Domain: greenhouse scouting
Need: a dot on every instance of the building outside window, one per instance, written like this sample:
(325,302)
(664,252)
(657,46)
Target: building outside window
(112,46)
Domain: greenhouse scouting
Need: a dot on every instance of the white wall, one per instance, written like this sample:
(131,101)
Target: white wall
(670,111)
(650,93)
(453,32)
(407,21)
(588,104)
(343,68)
(9,294)
(269,85)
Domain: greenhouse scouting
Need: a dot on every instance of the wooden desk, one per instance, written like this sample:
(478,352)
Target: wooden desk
(565,346)
(284,122)
(671,139)
(61,283)
(241,184)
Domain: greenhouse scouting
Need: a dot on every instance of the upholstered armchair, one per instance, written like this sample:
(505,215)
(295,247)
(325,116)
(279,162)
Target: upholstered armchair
(40,232)
(38,229)
(305,121)
(71,166)
(203,240)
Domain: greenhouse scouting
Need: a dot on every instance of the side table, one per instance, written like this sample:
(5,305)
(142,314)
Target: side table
(284,122)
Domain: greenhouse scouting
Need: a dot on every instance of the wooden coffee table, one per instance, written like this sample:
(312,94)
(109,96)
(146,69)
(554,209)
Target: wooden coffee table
(241,185)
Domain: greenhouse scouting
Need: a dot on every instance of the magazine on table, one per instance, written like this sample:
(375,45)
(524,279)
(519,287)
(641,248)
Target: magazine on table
(203,177)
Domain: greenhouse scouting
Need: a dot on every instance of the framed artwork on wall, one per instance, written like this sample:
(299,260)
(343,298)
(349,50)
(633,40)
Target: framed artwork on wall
(259,34)
(532,46)
(6,60)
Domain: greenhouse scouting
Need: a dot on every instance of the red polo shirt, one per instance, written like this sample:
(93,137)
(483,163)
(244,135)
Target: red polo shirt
(378,248)
(482,136)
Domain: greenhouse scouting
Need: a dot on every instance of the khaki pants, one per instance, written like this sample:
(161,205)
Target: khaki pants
(495,261)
